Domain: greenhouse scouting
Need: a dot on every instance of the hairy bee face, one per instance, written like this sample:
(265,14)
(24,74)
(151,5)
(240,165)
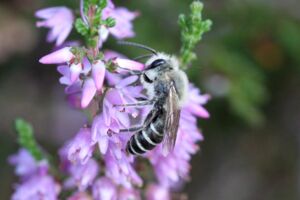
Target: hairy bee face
(162,62)
(158,63)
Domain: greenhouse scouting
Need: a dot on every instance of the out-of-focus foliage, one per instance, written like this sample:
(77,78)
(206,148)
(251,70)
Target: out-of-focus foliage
(253,44)
(192,28)
(26,138)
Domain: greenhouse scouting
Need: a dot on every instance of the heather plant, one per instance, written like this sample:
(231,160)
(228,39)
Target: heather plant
(94,164)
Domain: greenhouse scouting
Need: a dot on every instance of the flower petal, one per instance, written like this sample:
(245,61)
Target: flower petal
(98,73)
(129,64)
(126,81)
(88,92)
(75,71)
(57,57)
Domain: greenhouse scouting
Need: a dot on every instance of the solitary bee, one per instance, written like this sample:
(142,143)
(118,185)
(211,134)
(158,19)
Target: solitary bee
(166,87)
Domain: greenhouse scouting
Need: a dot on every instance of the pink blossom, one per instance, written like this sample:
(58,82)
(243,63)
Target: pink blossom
(92,81)
(105,131)
(104,189)
(157,192)
(59,20)
(98,74)
(80,148)
(37,187)
(88,92)
(111,119)
(83,175)
(119,166)
(60,56)
(123,28)
(129,64)
(75,70)
(26,165)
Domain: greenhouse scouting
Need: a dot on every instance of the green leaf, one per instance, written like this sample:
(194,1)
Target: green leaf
(192,29)
(81,27)
(102,4)
(110,22)
(26,138)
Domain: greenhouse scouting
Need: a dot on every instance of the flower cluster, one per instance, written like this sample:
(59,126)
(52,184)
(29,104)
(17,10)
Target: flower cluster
(94,163)
(36,183)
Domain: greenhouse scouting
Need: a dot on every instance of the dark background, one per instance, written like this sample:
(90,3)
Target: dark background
(249,62)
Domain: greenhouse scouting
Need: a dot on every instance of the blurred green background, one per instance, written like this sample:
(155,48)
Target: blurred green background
(249,62)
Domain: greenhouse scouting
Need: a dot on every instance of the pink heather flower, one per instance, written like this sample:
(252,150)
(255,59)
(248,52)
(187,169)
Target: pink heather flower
(37,187)
(88,86)
(59,20)
(175,166)
(83,175)
(111,119)
(121,61)
(109,54)
(105,131)
(98,74)
(123,28)
(157,192)
(104,189)
(119,167)
(24,162)
(60,56)
(65,163)
(129,64)
(74,95)
(80,149)
(26,165)
(88,92)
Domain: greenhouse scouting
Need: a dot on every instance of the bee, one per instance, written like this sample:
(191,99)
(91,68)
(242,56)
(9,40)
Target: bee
(166,87)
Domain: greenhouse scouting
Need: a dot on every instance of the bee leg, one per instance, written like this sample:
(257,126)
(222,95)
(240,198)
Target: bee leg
(132,72)
(141,99)
(147,122)
(139,103)
(132,129)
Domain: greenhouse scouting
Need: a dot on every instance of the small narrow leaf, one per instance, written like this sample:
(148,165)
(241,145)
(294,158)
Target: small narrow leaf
(192,29)
(26,138)
(81,27)
(110,22)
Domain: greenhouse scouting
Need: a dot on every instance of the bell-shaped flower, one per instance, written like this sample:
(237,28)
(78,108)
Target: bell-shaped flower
(26,165)
(129,64)
(123,27)
(83,175)
(59,20)
(119,166)
(157,192)
(60,56)
(104,189)
(88,92)
(37,187)
(80,148)
(98,74)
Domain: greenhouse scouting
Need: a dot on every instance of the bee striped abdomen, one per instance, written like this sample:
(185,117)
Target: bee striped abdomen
(148,138)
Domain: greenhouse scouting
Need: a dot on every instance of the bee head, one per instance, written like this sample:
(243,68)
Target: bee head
(162,62)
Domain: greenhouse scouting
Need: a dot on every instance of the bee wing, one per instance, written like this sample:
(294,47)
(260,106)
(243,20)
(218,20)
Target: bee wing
(172,120)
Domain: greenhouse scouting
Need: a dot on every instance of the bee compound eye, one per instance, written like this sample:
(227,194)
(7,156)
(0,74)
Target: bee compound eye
(157,63)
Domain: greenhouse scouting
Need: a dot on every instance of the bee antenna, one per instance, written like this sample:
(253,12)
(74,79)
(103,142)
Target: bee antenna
(137,45)
(143,56)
